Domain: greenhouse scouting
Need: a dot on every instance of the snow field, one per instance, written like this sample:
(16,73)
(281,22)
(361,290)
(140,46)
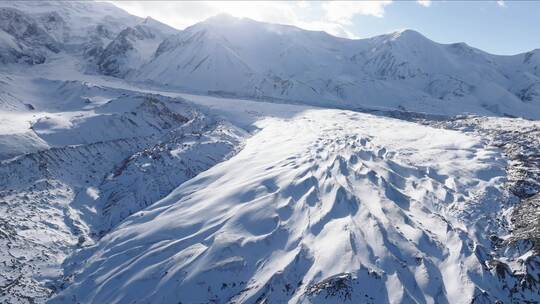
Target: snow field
(322,196)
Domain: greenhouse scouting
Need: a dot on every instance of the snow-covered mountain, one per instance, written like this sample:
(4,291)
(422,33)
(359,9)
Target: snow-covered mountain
(71,22)
(111,40)
(117,186)
(399,70)
(132,47)
(30,30)
(242,57)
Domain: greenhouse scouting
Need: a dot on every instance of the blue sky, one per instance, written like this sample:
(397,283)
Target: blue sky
(498,27)
(505,28)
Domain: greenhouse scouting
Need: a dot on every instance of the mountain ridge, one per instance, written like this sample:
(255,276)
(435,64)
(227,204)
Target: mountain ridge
(286,62)
(248,58)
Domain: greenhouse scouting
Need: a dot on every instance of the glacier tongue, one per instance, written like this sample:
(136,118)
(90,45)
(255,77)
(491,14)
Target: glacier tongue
(321,206)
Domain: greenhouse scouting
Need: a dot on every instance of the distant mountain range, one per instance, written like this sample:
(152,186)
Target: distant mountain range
(243,57)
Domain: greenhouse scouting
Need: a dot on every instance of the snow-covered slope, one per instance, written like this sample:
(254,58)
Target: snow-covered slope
(321,206)
(77,158)
(125,189)
(399,70)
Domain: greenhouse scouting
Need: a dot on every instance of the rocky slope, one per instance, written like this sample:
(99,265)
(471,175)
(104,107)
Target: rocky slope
(106,163)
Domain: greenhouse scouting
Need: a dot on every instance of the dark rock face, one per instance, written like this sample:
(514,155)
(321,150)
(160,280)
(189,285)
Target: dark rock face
(108,63)
(336,286)
(363,286)
(93,49)
(32,37)
(532,60)
(526,220)
(31,43)
(112,59)
(530,93)
(23,27)
(54,23)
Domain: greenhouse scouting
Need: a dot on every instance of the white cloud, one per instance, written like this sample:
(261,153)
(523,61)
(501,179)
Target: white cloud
(303,4)
(425,3)
(176,14)
(501,3)
(342,12)
(334,29)
(333,17)
(185,13)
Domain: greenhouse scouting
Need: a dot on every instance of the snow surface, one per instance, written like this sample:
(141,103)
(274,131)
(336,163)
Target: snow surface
(314,193)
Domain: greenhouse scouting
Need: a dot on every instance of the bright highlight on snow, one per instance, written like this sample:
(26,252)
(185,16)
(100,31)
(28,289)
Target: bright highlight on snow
(238,161)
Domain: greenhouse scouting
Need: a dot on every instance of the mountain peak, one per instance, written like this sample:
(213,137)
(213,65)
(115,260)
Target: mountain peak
(161,27)
(148,20)
(406,34)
